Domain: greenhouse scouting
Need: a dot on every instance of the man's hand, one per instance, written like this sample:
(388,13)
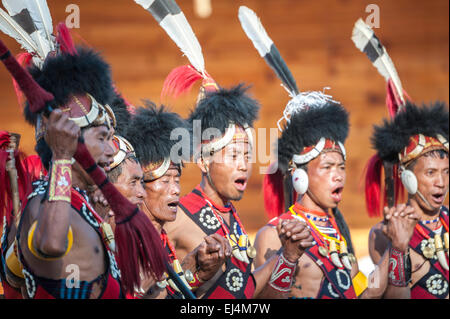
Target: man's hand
(295,238)
(399,226)
(211,254)
(61,135)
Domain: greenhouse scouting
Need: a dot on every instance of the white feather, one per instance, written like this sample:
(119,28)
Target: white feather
(12,29)
(255,30)
(361,35)
(40,14)
(180,31)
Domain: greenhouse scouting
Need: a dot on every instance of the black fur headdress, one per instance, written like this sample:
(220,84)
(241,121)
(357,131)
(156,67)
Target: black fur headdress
(122,114)
(150,130)
(306,127)
(65,74)
(393,136)
(218,109)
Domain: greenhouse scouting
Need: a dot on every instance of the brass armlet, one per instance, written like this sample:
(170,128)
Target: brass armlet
(41,255)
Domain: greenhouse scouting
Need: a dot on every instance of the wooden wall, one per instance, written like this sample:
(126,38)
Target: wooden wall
(312,36)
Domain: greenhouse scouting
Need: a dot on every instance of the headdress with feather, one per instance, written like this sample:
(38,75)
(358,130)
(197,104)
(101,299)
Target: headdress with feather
(170,17)
(181,79)
(29,22)
(310,119)
(136,237)
(367,42)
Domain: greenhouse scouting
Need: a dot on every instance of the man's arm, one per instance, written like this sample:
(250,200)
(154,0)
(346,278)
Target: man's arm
(53,221)
(392,240)
(274,277)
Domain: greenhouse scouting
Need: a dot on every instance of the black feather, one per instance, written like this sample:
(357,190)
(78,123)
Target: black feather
(162,8)
(390,138)
(276,62)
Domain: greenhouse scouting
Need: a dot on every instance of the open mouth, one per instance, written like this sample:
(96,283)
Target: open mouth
(240,184)
(105,166)
(438,197)
(336,194)
(173,206)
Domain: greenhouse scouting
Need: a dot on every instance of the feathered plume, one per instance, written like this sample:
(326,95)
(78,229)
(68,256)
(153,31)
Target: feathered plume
(170,17)
(266,48)
(14,30)
(367,42)
(181,79)
(396,99)
(34,17)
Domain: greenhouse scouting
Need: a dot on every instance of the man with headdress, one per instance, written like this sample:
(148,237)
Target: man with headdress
(152,131)
(58,209)
(412,151)
(224,158)
(416,142)
(310,180)
(68,102)
(306,184)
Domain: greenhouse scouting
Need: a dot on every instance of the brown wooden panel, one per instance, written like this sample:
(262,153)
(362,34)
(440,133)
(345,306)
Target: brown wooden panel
(312,36)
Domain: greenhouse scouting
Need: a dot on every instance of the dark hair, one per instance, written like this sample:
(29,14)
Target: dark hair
(440,153)
(113,175)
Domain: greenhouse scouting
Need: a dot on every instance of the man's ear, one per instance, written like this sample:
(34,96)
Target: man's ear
(203,165)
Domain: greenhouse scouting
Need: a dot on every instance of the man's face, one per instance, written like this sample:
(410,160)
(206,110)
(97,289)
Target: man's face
(163,196)
(98,142)
(130,182)
(326,175)
(230,170)
(432,178)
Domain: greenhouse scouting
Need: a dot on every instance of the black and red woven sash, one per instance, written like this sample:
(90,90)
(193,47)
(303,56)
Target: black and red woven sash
(237,281)
(435,283)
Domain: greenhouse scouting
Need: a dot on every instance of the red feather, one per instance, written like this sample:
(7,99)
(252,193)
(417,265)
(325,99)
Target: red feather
(180,80)
(273,193)
(64,39)
(393,101)
(373,185)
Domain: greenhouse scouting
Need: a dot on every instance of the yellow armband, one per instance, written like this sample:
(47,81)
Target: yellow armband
(40,255)
(360,283)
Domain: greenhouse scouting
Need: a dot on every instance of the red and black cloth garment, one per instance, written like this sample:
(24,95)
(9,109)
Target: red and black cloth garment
(434,285)
(237,282)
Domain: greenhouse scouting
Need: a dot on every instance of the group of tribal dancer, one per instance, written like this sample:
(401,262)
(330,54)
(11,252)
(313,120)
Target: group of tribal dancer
(103,193)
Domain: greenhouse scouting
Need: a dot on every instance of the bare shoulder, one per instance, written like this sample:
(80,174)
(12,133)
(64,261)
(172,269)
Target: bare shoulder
(267,243)
(184,233)
(172,227)
(378,242)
